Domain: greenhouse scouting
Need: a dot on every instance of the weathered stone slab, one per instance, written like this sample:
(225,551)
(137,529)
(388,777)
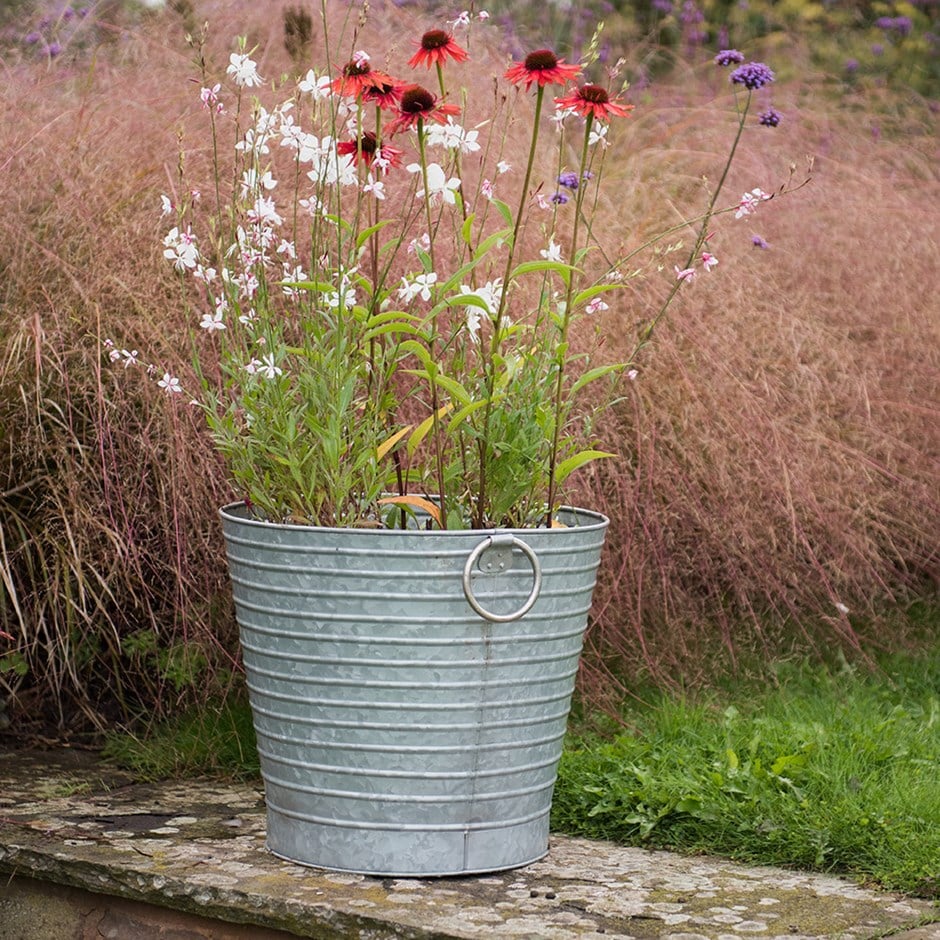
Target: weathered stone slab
(197,847)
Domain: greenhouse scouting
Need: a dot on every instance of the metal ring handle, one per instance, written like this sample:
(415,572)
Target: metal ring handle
(473,558)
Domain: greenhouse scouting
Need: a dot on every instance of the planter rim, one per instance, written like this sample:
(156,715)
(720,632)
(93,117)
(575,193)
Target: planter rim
(237,512)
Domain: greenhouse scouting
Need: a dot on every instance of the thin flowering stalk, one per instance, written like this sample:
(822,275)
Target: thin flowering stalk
(489,364)
(558,399)
(436,430)
(457,170)
(706,217)
(200,48)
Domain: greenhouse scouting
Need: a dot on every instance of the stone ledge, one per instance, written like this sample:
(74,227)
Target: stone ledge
(197,847)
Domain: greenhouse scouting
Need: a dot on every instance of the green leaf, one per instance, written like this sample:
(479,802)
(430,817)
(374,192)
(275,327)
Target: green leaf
(593,374)
(365,234)
(421,431)
(467,228)
(467,300)
(465,413)
(396,327)
(504,211)
(453,388)
(559,267)
(567,467)
(319,287)
(419,350)
(590,292)
(490,242)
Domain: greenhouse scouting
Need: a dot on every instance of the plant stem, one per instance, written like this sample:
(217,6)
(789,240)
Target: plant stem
(489,365)
(565,324)
(647,333)
(432,339)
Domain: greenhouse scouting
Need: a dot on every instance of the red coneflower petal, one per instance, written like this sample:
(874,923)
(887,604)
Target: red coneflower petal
(542,67)
(357,76)
(418,103)
(593,100)
(435,47)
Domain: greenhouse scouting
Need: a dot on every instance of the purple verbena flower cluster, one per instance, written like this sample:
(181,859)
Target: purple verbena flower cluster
(729,57)
(569,180)
(770,118)
(901,25)
(752,75)
(52,32)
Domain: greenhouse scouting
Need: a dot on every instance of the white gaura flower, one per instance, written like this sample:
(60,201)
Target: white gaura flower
(292,135)
(166,206)
(128,358)
(474,316)
(491,294)
(595,304)
(170,384)
(254,141)
(213,321)
(311,206)
(558,118)
(310,149)
(452,136)
(376,187)
(292,275)
(553,252)
(329,167)
(598,135)
(503,167)
(243,70)
(264,212)
(419,287)
(750,201)
(424,243)
(345,297)
(268,368)
(252,181)
(180,248)
(438,184)
(317,86)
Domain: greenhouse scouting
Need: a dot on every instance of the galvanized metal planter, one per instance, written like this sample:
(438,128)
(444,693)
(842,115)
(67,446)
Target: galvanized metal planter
(410,689)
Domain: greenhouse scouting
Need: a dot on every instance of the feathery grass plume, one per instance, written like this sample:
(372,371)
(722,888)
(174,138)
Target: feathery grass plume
(778,485)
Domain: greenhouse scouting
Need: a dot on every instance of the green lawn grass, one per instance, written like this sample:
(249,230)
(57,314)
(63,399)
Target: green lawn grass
(815,769)
(826,771)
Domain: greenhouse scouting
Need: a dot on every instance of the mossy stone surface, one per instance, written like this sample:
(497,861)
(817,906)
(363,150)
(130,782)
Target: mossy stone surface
(197,847)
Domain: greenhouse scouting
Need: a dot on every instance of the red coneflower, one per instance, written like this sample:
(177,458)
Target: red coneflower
(593,100)
(543,67)
(418,103)
(367,149)
(358,75)
(434,48)
(385,94)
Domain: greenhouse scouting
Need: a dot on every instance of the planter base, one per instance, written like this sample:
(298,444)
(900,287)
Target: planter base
(412,854)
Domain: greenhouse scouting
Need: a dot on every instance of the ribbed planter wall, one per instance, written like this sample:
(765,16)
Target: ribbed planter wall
(410,689)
